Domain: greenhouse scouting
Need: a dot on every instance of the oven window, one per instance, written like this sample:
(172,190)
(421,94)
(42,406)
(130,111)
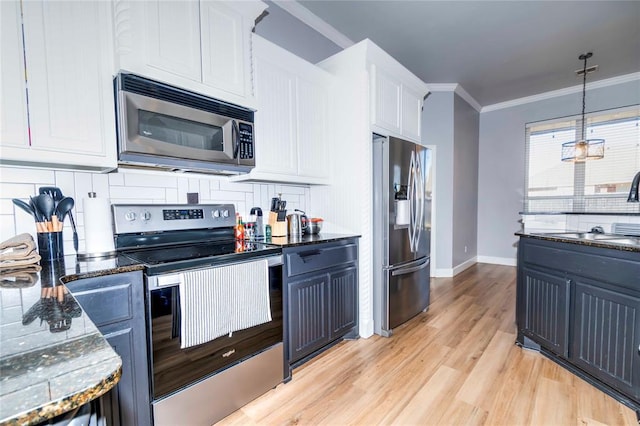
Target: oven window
(175,368)
(179,131)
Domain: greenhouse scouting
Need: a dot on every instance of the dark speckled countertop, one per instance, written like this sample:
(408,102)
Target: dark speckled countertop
(616,244)
(53,359)
(308,239)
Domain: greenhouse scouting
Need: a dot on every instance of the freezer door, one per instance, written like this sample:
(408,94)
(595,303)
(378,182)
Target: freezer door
(408,291)
(409,207)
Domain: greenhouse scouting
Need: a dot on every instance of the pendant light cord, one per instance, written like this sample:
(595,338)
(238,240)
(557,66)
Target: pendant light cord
(584,89)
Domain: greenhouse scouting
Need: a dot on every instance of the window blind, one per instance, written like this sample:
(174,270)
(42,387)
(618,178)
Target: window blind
(601,186)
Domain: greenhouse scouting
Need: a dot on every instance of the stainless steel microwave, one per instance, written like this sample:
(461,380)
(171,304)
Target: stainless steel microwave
(162,126)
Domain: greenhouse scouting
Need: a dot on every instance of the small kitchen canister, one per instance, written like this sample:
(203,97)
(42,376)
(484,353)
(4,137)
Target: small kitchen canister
(98,227)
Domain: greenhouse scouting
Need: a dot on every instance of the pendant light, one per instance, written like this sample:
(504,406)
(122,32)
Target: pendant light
(583,149)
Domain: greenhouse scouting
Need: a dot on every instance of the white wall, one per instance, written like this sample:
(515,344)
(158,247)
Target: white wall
(501,162)
(129,186)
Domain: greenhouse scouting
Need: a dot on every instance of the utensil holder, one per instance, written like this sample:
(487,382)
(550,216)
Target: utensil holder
(50,245)
(278,229)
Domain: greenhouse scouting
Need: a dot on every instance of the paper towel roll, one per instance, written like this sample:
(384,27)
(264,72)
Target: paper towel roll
(98,227)
(403,212)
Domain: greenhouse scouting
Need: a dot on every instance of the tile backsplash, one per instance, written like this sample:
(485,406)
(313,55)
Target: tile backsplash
(132,186)
(574,222)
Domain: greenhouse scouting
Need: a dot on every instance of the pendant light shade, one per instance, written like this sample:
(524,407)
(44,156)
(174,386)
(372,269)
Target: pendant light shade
(583,149)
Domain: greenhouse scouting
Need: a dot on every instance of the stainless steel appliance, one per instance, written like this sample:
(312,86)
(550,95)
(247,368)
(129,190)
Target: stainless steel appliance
(401,231)
(167,127)
(201,384)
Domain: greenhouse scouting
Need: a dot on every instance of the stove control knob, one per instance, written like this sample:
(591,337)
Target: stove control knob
(215,213)
(225,213)
(130,216)
(145,215)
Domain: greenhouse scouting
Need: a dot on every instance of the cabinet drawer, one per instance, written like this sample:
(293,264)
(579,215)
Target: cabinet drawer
(600,264)
(316,258)
(105,299)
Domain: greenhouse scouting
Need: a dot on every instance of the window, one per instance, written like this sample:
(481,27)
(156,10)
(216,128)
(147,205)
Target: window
(591,186)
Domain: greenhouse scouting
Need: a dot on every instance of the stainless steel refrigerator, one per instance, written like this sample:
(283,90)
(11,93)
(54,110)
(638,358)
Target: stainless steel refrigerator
(401,231)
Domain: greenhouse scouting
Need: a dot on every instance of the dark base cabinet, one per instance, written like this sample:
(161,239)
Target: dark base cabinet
(115,303)
(580,305)
(321,303)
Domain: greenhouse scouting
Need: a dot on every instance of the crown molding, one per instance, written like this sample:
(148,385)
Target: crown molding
(306,16)
(457,89)
(561,92)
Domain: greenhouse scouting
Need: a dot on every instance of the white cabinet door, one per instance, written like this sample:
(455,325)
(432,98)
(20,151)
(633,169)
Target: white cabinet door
(411,114)
(13,103)
(386,99)
(224,47)
(173,36)
(313,125)
(68,49)
(276,148)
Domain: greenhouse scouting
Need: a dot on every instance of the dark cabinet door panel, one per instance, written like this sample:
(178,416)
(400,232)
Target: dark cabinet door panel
(607,336)
(343,301)
(546,311)
(308,325)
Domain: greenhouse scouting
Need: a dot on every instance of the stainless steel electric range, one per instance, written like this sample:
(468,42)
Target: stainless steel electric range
(203,383)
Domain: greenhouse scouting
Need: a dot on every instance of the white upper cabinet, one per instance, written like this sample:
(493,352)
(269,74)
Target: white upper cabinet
(396,96)
(203,46)
(292,117)
(13,99)
(67,56)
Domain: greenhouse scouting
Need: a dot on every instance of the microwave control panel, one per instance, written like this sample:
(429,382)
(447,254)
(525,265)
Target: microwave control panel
(245,138)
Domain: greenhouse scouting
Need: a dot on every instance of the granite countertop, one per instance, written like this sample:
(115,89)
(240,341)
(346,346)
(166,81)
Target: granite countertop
(308,239)
(616,242)
(53,358)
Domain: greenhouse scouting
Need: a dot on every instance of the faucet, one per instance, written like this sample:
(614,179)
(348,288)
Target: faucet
(633,192)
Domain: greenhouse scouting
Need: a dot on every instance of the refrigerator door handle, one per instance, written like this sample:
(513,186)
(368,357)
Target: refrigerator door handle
(410,270)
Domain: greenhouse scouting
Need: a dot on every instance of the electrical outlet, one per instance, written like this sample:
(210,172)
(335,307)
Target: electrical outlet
(465,249)
(192,198)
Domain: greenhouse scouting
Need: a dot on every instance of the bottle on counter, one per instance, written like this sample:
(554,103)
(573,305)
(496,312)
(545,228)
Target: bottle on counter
(239,228)
(267,233)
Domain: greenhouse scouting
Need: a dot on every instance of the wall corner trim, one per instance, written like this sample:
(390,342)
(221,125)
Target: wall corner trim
(306,16)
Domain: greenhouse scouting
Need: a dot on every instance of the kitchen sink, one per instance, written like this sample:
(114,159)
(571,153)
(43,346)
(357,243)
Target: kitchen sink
(594,236)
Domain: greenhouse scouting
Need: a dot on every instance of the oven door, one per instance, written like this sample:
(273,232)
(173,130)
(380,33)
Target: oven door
(174,368)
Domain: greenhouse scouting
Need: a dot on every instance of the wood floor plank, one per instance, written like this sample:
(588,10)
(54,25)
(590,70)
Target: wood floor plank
(455,364)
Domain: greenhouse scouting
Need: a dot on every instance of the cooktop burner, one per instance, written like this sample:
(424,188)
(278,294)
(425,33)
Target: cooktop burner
(173,258)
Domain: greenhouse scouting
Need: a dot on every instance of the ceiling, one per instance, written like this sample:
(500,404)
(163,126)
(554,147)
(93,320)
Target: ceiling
(496,50)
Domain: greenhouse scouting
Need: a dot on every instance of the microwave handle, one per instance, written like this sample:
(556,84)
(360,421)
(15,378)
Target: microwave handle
(235,138)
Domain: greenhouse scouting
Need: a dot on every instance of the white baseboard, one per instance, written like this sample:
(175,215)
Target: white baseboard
(452,272)
(507,261)
(366,328)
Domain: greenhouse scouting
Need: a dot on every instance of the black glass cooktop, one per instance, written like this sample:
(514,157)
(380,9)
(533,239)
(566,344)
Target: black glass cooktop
(180,257)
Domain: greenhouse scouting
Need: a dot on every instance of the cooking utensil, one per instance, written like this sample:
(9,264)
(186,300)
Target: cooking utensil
(56,193)
(26,207)
(46,205)
(64,206)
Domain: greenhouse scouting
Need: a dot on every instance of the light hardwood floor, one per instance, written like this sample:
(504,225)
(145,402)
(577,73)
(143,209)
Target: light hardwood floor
(455,364)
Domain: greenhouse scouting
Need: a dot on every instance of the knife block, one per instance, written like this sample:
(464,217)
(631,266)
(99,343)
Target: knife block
(278,229)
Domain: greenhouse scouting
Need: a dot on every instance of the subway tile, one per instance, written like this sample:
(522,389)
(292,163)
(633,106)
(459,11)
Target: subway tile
(227,196)
(26,175)
(116,179)
(235,186)
(151,180)
(137,193)
(7,227)
(66,182)
(100,185)
(293,189)
(17,190)
(7,207)
(83,187)
(194,185)
(171,195)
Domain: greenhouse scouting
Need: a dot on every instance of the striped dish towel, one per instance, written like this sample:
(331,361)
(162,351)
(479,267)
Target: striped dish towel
(218,301)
